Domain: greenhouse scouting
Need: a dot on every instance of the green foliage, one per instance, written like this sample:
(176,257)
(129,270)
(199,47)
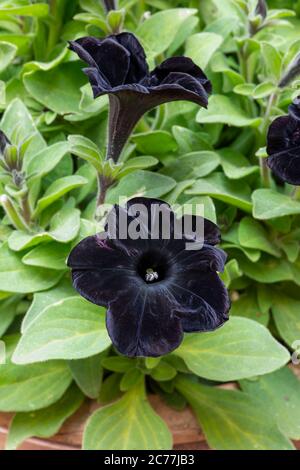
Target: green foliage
(178,152)
(233,420)
(129,423)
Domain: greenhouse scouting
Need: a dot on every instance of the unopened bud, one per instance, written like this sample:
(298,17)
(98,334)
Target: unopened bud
(12,213)
(261,9)
(11,157)
(4,142)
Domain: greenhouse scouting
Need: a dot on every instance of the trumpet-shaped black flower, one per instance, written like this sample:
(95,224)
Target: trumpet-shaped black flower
(283,145)
(154,288)
(117,66)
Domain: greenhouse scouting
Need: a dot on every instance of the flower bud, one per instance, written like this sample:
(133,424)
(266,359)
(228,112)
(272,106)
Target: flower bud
(12,213)
(261,9)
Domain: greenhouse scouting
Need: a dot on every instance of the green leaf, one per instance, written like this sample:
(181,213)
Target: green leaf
(47,159)
(200,47)
(72,328)
(86,149)
(193,165)
(136,163)
(28,388)
(43,423)
(232,420)
(64,227)
(268,270)
(263,90)
(51,255)
(129,423)
(189,141)
(279,393)
(58,189)
(22,41)
(8,310)
(17,117)
(241,348)
(231,241)
(88,374)
(154,142)
(208,205)
(247,306)
(110,389)
(231,272)
(163,371)
(268,204)
(219,187)
(253,235)
(225,109)
(43,300)
(7,53)
(286,315)
(37,10)
(59,88)
(142,183)
(118,363)
(35,65)
(130,379)
(272,61)
(235,165)
(244,89)
(158,31)
(17,277)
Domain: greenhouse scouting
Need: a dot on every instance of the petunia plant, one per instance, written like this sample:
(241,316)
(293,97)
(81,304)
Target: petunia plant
(110,109)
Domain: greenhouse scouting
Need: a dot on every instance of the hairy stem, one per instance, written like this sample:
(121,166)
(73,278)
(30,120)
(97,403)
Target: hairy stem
(103,184)
(26,212)
(264,170)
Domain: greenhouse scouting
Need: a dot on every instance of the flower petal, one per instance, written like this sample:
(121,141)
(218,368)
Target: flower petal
(184,65)
(207,258)
(211,233)
(143,323)
(286,165)
(277,138)
(110,57)
(142,224)
(99,85)
(203,299)
(99,271)
(179,88)
(138,68)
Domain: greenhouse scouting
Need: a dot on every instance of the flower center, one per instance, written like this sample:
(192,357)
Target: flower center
(152,267)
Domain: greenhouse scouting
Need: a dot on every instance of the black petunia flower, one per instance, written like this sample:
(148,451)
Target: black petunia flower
(154,288)
(118,67)
(283,145)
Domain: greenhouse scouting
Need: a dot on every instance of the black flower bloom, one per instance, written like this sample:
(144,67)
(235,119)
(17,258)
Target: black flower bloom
(118,67)
(154,288)
(283,145)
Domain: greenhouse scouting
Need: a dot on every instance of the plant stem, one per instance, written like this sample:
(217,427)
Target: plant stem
(103,184)
(26,212)
(57,9)
(264,170)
